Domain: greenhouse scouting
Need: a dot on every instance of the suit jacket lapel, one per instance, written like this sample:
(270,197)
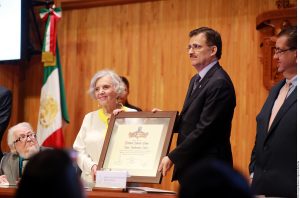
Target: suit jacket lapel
(189,98)
(270,103)
(13,161)
(189,92)
(286,105)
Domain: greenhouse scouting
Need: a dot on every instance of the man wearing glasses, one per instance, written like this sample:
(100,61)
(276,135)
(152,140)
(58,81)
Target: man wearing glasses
(204,124)
(23,144)
(273,165)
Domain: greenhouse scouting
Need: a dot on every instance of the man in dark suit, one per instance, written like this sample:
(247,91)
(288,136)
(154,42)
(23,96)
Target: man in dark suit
(204,124)
(273,163)
(5,111)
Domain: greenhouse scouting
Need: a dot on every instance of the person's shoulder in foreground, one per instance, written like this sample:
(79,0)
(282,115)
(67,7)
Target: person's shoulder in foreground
(50,173)
(213,178)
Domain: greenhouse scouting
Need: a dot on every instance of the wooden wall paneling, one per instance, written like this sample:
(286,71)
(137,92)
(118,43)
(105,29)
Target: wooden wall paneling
(79,4)
(33,82)
(11,77)
(74,75)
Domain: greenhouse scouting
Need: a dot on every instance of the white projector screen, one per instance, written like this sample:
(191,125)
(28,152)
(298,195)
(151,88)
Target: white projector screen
(10,34)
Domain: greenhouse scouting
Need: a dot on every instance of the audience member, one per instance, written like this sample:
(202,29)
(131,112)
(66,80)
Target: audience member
(50,174)
(213,178)
(23,144)
(273,163)
(5,111)
(124,97)
(106,87)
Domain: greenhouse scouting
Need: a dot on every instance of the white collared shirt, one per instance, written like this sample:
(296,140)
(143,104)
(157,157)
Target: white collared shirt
(204,71)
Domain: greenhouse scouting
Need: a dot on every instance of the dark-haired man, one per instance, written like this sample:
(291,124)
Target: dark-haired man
(273,163)
(204,123)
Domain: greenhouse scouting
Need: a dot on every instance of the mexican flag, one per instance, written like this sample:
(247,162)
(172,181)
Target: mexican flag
(53,110)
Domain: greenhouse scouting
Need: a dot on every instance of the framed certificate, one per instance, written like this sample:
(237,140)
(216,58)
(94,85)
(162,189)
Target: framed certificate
(136,142)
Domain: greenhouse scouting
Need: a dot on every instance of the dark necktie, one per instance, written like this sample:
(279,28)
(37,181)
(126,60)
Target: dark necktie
(22,164)
(196,83)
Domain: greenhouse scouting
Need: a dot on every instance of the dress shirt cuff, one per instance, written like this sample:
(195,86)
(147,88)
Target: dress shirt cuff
(252,175)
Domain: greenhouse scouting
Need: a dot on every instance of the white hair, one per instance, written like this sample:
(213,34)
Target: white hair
(116,80)
(12,130)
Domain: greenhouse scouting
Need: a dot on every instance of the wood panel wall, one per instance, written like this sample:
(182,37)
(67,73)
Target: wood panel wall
(146,42)
(12,78)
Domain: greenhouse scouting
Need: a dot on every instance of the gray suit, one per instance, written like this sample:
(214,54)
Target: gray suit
(9,166)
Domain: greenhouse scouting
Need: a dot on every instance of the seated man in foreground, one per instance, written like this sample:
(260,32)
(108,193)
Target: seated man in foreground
(23,144)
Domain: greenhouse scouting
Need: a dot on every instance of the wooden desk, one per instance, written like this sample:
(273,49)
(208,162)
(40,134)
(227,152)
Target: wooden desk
(10,192)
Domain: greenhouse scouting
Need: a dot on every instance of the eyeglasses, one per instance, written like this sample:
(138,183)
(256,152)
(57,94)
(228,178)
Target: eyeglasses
(195,47)
(280,51)
(24,137)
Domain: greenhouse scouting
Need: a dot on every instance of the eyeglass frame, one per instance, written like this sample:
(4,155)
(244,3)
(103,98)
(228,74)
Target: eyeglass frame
(196,47)
(31,135)
(278,51)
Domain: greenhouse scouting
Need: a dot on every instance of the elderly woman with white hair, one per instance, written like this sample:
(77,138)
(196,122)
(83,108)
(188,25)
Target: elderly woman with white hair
(23,144)
(106,88)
